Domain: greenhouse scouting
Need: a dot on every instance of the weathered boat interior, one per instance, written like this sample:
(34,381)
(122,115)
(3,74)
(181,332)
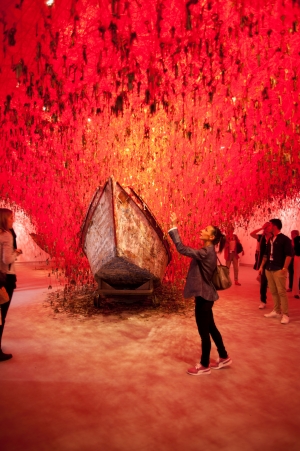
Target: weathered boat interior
(122,240)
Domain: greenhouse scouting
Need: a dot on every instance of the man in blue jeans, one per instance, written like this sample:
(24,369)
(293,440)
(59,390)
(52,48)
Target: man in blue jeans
(276,261)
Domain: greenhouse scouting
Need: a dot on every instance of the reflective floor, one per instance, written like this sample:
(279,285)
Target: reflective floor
(114,384)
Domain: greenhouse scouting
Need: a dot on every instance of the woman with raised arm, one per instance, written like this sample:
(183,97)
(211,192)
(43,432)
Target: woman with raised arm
(199,285)
(8,255)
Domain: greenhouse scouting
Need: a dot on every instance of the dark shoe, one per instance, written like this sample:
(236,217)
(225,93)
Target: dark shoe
(297,296)
(4,357)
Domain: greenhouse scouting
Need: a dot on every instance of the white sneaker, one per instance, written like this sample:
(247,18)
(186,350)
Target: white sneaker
(262,305)
(285,319)
(273,314)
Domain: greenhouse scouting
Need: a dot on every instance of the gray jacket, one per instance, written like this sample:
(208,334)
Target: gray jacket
(197,281)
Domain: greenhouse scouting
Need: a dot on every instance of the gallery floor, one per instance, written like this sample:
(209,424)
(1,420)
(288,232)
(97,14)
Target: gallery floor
(102,383)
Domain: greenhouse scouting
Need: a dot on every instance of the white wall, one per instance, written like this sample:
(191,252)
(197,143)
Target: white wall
(31,251)
(23,227)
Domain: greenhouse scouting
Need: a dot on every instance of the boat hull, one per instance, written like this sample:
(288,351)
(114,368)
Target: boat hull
(122,240)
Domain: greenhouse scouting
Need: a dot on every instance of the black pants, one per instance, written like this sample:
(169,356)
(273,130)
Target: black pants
(10,285)
(207,328)
(291,273)
(263,287)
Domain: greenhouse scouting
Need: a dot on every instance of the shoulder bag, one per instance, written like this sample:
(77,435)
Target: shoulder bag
(221,279)
(239,247)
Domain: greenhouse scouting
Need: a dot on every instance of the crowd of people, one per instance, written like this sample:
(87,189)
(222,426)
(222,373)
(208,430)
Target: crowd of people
(276,257)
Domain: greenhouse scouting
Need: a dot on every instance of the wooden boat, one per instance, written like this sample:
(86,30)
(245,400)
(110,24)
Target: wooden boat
(122,240)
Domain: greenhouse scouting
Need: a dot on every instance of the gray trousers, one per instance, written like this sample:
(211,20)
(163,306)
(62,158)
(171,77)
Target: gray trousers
(234,260)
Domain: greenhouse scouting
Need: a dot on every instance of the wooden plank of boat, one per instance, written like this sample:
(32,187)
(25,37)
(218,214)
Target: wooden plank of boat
(122,240)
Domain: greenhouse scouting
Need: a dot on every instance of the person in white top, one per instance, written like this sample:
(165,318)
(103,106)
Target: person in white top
(8,255)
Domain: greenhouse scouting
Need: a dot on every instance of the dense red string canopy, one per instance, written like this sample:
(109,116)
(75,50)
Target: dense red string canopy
(193,103)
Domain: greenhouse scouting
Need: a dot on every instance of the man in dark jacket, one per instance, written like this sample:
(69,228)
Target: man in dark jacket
(262,240)
(276,261)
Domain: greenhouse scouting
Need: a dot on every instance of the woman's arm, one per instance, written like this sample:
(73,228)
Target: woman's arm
(264,260)
(198,254)
(254,234)
(173,221)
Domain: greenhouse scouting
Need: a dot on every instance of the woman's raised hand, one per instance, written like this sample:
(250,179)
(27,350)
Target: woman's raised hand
(173,219)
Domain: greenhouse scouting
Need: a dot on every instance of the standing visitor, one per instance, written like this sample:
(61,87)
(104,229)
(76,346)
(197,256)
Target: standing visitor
(294,234)
(8,255)
(262,240)
(296,280)
(233,247)
(276,262)
(199,285)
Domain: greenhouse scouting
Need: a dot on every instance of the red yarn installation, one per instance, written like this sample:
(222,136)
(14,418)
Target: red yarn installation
(195,104)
